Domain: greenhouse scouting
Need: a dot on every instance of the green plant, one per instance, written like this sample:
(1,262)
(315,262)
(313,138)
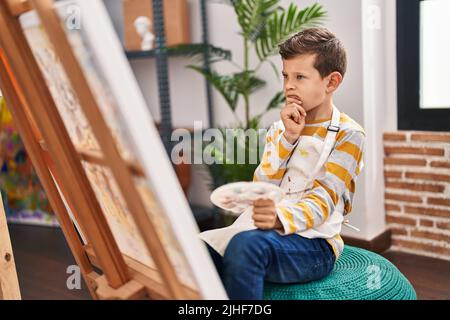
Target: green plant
(226,151)
(264,25)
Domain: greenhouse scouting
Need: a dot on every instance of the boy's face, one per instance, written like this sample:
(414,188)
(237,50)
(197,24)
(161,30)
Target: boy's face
(303,81)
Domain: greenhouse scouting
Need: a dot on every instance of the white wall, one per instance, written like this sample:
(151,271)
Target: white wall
(365,101)
(379,107)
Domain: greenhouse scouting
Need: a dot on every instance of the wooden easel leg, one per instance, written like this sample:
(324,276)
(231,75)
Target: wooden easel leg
(9,284)
(132,290)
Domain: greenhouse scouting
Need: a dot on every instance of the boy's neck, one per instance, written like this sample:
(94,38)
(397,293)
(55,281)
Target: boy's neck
(322,111)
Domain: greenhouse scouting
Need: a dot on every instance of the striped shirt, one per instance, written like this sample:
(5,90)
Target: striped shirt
(331,191)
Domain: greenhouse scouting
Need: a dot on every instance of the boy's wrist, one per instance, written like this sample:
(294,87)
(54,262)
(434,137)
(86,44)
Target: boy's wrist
(289,138)
(283,225)
(278,225)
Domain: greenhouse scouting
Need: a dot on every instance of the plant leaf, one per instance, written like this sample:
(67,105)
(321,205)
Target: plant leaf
(226,85)
(281,26)
(197,50)
(278,99)
(253,14)
(246,82)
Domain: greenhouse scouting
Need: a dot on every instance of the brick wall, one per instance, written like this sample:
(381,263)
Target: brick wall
(417,191)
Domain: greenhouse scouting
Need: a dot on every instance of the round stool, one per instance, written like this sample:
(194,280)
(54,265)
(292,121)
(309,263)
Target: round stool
(357,275)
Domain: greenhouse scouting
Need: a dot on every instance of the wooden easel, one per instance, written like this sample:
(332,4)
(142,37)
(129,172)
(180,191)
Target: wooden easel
(58,165)
(9,284)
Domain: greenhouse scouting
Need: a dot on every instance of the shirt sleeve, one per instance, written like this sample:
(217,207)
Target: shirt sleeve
(341,171)
(277,151)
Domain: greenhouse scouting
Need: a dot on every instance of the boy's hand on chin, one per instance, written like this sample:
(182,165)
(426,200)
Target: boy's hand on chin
(293,116)
(265,215)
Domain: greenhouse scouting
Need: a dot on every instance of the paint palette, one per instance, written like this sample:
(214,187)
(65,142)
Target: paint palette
(236,197)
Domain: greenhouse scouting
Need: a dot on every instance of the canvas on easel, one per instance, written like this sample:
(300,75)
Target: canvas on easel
(78,92)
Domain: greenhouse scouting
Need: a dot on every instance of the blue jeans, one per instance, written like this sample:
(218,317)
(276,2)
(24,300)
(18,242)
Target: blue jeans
(255,256)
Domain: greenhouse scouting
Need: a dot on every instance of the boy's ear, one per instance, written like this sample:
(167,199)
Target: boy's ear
(334,80)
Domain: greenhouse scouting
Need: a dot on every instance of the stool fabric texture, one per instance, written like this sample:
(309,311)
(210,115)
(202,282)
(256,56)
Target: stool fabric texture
(357,275)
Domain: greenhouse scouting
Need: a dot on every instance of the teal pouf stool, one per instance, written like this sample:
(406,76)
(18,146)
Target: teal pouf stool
(357,275)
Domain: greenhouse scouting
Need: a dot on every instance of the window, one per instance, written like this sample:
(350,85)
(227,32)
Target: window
(423,64)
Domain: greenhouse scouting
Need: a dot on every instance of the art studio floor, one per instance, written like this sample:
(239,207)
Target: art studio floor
(42,258)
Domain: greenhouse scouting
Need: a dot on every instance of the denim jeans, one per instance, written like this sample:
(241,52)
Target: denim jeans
(256,256)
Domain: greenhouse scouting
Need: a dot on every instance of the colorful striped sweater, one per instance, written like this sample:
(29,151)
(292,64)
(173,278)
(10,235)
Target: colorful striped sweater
(337,185)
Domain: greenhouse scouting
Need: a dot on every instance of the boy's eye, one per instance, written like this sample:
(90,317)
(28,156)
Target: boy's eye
(300,77)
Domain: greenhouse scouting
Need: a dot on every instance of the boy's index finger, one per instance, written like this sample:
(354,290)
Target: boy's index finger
(291,111)
(300,109)
(262,202)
